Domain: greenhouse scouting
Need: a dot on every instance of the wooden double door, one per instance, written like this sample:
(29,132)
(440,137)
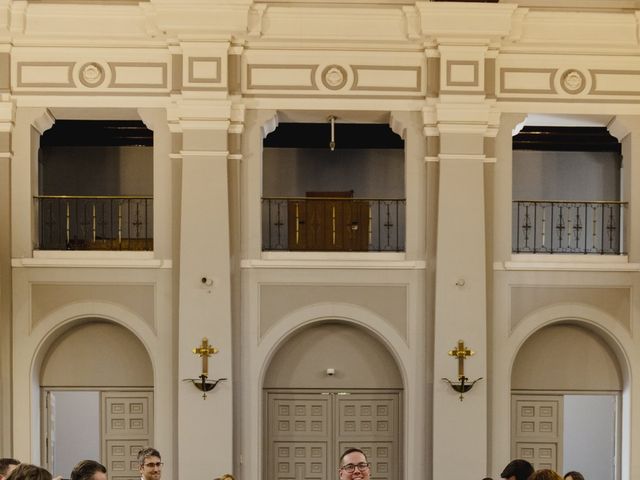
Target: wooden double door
(328,221)
(306,432)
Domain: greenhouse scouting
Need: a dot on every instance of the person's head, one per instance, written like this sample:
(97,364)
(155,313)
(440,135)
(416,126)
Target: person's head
(354,465)
(545,474)
(89,470)
(7,465)
(517,469)
(26,471)
(573,476)
(150,463)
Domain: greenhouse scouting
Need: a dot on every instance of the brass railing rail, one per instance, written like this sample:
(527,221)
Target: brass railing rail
(550,226)
(333,224)
(100,222)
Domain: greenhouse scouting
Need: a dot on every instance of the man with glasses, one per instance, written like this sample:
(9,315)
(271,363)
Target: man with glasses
(150,464)
(354,464)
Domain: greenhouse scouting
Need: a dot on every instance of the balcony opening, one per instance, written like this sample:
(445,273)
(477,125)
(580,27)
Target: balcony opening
(350,198)
(567,191)
(95,186)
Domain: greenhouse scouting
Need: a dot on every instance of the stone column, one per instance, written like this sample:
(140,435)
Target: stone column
(460,295)
(201,122)
(205,428)
(626,128)
(6,127)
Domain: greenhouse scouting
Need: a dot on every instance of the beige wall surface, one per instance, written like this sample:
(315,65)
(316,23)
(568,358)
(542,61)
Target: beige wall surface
(388,301)
(566,358)
(97,354)
(359,360)
(48,298)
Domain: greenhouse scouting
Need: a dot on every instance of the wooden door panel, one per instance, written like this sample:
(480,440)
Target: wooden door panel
(537,430)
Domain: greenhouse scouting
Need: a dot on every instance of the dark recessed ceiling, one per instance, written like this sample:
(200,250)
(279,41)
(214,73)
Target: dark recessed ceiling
(572,139)
(347,135)
(97,133)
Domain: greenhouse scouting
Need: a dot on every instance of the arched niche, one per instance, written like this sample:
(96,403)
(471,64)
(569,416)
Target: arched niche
(359,360)
(566,357)
(97,353)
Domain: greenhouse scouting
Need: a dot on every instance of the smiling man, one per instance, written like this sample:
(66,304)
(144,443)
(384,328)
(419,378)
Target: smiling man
(354,465)
(150,464)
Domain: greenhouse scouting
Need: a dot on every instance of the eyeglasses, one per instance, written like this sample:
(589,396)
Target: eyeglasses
(154,465)
(351,467)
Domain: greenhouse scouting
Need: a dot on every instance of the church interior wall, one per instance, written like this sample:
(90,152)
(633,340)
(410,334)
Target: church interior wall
(447,76)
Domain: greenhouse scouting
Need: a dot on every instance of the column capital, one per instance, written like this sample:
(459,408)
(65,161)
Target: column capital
(622,125)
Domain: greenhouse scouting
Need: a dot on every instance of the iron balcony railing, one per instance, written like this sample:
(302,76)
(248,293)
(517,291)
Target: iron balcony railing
(67,222)
(544,226)
(333,224)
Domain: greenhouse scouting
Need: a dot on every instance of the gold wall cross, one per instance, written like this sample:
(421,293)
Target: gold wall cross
(205,351)
(461,353)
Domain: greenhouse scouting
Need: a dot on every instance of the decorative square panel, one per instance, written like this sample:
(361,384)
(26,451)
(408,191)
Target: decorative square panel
(117,450)
(350,426)
(283,467)
(527,412)
(316,467)
(117,424)
(382,467)
(117,408)
(316,426)
(546,427)
(300,426)
(382,411)
(546,411)
(382,452)
(382,426)
(118,466)
(299,452)
(283,410)
(545,453)
(316,410)
(283,452)
(283,426)
(366,426)
(136,424)
(350,410)
(527,453)
(365,410)
(300,411)
(527,427)
(316,452)
(136,408)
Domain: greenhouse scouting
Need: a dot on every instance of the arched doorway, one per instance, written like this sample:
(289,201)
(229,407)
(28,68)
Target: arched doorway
(332,386)
(566,402)
(96,384)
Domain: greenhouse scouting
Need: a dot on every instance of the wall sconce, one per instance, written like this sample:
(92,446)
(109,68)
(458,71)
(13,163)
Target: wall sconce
(203,383)
(462,385)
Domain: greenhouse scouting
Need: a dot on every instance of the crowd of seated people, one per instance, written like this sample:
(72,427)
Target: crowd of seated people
(520,469)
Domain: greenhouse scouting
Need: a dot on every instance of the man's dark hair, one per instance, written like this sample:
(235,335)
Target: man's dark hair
(147,452)
(4,465)
(574,475)
(348,451)
(86,469)
(519,468)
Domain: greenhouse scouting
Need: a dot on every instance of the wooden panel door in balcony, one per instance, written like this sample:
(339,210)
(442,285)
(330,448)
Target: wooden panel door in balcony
(328,221)
(306,432)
